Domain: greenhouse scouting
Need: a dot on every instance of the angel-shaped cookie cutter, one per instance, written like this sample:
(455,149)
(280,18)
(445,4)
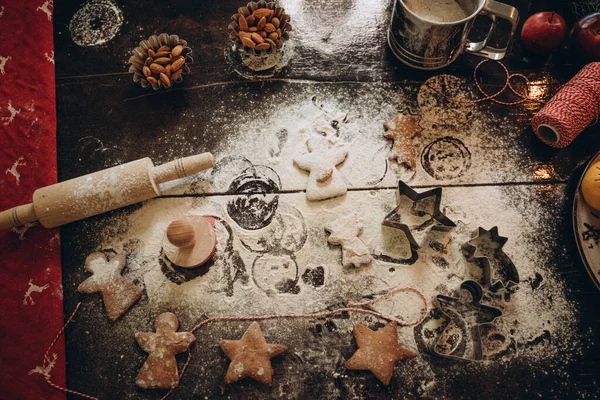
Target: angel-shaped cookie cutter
(461,336)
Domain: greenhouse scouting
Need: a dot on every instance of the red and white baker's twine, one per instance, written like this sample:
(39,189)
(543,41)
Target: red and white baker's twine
(351,307)
(573,108)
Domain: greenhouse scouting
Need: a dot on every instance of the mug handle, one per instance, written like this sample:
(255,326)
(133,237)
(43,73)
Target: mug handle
(495,9)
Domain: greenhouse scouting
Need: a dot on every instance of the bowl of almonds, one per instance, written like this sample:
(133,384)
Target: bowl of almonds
(160,61)
(259,31)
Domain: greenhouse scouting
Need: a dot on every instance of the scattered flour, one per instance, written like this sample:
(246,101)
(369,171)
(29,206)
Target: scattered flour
(96,23)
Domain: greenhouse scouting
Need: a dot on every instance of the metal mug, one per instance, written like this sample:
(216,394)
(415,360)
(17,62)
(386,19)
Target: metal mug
(424,44)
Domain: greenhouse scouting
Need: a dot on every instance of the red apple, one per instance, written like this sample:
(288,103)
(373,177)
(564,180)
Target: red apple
(585,37)
(543,32)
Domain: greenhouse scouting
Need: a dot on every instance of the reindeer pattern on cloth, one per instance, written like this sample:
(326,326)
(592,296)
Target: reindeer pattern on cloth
(31,277)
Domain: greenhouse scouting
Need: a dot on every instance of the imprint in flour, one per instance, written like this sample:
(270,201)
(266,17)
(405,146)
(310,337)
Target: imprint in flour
(225,267)
(282,137)
(96,23)
(324,180)
(446,158)
(438,112)
(275,270)
(256,204)
(225,171)
(314,277)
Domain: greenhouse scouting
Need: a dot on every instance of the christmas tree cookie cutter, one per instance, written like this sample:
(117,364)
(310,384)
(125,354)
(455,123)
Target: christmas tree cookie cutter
(486,249)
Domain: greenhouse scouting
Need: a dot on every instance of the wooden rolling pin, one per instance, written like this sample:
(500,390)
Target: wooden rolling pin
(101,191)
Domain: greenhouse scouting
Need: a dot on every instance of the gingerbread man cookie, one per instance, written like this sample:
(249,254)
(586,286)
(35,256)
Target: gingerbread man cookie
(251,356)
(324,180)
(378,351)
(160,369)
(345,231)
(402,129)
(118,292)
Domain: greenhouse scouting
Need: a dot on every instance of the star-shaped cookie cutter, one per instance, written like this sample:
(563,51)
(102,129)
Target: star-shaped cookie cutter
(466,315)
(393,219)
(486,248)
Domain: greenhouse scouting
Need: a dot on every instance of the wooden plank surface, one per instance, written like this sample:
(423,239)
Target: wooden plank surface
(498,173)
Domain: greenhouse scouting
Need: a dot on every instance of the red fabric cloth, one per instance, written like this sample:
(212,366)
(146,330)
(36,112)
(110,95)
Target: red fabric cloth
(31,306)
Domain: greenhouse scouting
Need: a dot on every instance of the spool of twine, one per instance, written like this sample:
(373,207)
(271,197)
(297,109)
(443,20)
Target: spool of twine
(572,109)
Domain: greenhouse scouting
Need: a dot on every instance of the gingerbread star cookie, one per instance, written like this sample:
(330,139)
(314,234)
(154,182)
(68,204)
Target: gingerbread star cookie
(402,129)
(160,369)
(251,356)
(378,351)
(118,292)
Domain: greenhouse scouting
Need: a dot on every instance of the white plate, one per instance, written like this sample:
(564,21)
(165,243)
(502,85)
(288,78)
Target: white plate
(588,245)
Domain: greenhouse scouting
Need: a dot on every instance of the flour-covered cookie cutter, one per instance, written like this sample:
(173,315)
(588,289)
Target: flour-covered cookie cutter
(486,249)
(461,336)
(393,219)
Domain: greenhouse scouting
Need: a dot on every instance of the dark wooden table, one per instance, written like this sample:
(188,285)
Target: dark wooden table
(339,55)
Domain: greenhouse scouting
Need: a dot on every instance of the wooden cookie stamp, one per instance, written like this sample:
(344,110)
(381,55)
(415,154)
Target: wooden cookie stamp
(190,242)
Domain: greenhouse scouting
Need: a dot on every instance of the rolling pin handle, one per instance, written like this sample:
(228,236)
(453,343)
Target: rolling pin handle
(17,217)
(182,167)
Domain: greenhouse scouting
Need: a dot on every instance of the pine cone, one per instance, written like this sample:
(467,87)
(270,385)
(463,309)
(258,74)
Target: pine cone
(160,61)
(260,27)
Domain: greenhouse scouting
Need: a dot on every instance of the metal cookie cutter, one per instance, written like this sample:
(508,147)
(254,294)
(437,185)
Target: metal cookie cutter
(461,336)
(486,249)
(423,204)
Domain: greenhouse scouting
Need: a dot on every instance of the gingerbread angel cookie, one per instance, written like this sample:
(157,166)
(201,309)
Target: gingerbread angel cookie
(118,292)
(160,369)
(402,129)
(378,351)
(324,180)
(251,356)
(345,231)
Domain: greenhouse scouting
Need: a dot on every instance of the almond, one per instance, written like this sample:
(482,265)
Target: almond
(247,42)
(275,22)
(256,38)
(160,54)
(269,27)
(176,75)
(252,29)
(263,12)
(273,36)
(177,64)
(165,79)
(150,53)
(148,61)
(271,42)
(168,71)
(287,27)
(243,23)
(263,46)
(244,34)
(152,80)
(156,68)
(181,42)
(262,34)
(251,20)
(163,48)
(147,71)
(261,23)
(162,61)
